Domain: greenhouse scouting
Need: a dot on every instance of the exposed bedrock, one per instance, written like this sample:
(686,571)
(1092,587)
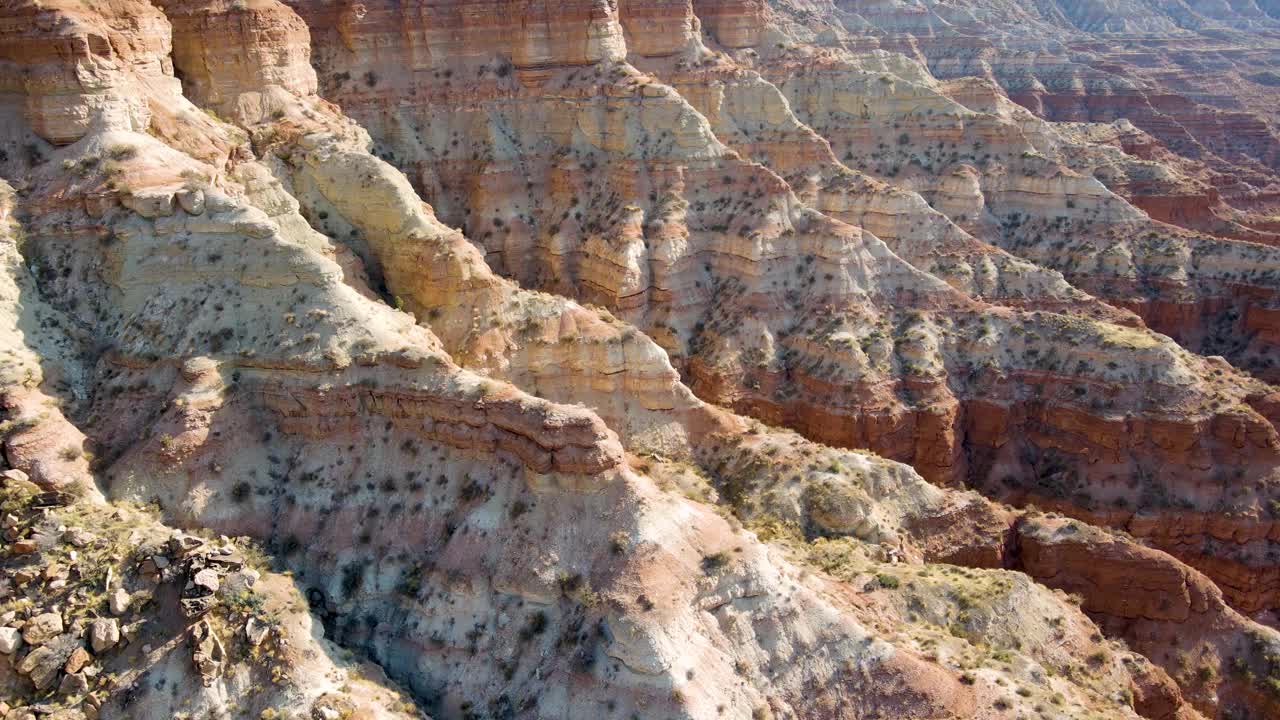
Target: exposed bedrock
(469,313)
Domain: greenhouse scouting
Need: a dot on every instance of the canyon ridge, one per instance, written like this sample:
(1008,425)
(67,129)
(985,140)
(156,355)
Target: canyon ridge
(639,359)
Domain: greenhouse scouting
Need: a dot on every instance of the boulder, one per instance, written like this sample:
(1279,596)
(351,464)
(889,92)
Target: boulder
(192,201)
(228,558)
(149,203)
(195,607)
(42,628)
(239,582)
(182,545)
(208,654)
(104,633)
(207,579)
(52,499)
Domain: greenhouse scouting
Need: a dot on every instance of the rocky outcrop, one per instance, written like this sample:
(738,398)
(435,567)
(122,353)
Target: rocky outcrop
(110,666)
(216,404)
(276,58)
(542,436)
(1149,598)
(485,486)
(1059,240)
(735,23)
(780,311)
(79,69)
(659,28)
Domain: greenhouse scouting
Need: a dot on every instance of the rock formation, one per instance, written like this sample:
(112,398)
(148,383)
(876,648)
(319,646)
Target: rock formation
(654,358)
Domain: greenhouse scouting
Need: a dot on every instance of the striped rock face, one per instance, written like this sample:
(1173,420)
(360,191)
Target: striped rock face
(625,358)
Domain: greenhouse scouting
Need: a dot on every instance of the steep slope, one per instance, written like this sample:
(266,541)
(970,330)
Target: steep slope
(258,325)
(785,313)
(1177,74)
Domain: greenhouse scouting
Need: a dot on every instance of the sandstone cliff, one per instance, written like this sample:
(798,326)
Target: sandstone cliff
(468,313)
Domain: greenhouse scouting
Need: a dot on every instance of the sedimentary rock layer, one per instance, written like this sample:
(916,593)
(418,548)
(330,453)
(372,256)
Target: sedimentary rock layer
(327,292)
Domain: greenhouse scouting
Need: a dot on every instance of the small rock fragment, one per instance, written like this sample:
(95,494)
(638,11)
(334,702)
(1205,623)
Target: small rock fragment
(255,631)
(79,537)
(78,659)
(74,684)
(56,571)
(10,640)
(120,600)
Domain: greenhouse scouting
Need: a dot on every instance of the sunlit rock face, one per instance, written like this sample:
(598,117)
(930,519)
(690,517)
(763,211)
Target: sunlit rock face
(594,359)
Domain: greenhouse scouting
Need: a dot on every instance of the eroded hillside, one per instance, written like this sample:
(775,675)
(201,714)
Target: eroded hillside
(626,359)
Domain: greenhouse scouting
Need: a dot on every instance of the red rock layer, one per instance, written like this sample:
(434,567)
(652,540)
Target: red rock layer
(1169,612)
(544,439)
